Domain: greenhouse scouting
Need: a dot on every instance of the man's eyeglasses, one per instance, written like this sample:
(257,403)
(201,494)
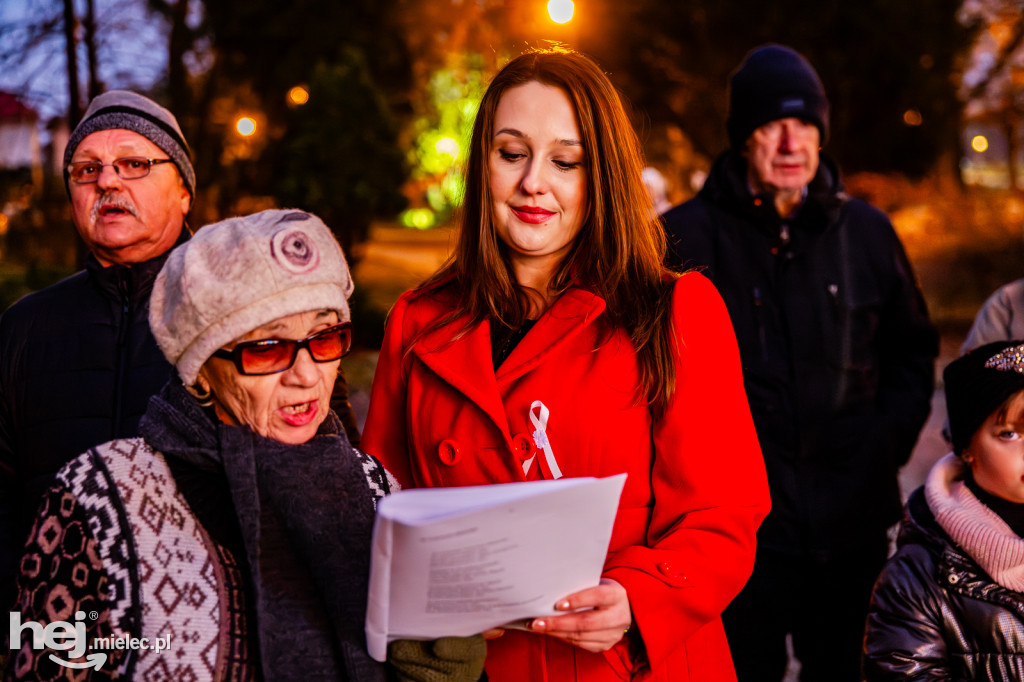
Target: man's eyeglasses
(127,168)
(270,356)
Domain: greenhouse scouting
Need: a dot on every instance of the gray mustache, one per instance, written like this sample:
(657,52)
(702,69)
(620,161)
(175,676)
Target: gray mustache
(115,200)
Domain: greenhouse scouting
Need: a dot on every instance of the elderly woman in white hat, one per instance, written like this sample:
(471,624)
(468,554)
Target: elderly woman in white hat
(236,530)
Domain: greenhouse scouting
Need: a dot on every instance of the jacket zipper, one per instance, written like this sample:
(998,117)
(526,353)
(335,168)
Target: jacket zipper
(762,336)
(122,339)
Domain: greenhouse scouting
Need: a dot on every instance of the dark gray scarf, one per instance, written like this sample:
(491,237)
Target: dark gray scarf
(306,515)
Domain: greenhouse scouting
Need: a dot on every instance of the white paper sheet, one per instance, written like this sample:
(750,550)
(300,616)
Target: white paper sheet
(458,561)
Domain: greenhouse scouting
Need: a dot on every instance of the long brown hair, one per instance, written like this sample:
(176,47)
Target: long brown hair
(619,250)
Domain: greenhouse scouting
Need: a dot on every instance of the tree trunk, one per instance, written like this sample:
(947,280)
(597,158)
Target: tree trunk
(1010,124)
(177,79)
(95,85)
(74,97)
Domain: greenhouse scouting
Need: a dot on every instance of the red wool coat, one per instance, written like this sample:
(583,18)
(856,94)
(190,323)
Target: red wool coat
(684,538)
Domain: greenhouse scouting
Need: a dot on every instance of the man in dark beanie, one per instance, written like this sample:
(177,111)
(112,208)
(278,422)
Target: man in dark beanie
(838,359)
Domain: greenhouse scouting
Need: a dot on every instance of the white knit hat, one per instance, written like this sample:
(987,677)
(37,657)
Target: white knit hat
(239,274)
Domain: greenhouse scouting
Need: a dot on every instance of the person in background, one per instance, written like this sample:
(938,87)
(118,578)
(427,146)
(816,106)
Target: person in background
(237,526)
(657,189)
(1000,318)
(554,343)
(78,362)
(838,359)
(950,604)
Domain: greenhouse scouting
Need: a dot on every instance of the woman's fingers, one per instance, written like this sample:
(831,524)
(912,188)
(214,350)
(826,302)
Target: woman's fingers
(599,619)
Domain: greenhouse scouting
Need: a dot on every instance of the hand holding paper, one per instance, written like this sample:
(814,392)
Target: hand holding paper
(597,617)
(458,561)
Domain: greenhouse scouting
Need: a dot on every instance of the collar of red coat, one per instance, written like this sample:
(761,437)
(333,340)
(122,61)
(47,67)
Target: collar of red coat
(465,363)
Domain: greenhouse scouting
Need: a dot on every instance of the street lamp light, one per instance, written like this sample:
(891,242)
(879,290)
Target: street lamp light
(560,11)
(245,126)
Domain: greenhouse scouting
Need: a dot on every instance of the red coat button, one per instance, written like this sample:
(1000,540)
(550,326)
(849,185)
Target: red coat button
(448,452)
(523,447)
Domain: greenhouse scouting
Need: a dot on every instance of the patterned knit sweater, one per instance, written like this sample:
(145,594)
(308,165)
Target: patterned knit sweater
(116,547)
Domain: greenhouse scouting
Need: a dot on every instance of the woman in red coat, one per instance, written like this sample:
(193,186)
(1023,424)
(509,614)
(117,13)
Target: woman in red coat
(553,343)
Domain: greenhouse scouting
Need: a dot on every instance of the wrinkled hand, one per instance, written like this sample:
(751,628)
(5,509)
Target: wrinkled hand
(599,627)
(449,659)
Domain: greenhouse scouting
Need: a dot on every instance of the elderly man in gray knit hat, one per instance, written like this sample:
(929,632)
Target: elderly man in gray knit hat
(837,352)
(77,360)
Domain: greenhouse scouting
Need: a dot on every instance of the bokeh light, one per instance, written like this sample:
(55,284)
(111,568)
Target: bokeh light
(912,117)
(979,143)
(298,95)
(419,218)
(245,126)
(447,145)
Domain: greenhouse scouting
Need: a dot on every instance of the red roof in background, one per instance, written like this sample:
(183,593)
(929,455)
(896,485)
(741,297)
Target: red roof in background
(11,108)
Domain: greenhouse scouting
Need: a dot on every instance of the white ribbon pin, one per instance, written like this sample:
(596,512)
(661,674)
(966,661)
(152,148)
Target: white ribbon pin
(540,438)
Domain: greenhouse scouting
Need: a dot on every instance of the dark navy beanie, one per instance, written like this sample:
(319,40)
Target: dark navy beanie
(978,383)
(773,82)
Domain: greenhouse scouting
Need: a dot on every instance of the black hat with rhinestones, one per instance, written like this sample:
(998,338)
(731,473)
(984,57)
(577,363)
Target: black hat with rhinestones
(978,383)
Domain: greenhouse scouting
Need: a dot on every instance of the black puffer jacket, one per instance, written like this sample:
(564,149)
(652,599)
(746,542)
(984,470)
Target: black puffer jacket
(78,365)
(935,615)
(836,345)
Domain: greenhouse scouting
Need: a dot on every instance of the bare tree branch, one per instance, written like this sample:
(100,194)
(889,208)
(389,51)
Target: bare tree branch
(1002,60)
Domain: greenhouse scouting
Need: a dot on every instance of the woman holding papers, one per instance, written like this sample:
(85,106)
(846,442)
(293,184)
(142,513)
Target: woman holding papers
(553,343)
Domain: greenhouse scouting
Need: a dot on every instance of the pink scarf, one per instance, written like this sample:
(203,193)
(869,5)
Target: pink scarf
(978,530)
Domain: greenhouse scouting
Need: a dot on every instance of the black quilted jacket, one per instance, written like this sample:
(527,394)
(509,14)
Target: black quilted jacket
(936,615)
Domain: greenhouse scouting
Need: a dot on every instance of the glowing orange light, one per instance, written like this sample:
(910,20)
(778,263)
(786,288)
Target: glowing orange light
(298,95)
(912,117)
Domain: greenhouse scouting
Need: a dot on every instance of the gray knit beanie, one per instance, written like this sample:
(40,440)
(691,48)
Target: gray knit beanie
(123,109)
(773,82)
(239,274)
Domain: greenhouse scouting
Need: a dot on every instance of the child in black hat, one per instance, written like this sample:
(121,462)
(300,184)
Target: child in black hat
(950,603)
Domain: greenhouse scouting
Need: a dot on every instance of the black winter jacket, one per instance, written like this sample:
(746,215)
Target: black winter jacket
(78,365)
(936,615)
(836,345)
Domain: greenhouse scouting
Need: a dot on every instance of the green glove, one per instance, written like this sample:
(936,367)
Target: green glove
(449,659)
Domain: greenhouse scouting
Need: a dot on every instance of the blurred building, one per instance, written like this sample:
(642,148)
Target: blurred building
(992,88)
(19,139)
(21,159)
